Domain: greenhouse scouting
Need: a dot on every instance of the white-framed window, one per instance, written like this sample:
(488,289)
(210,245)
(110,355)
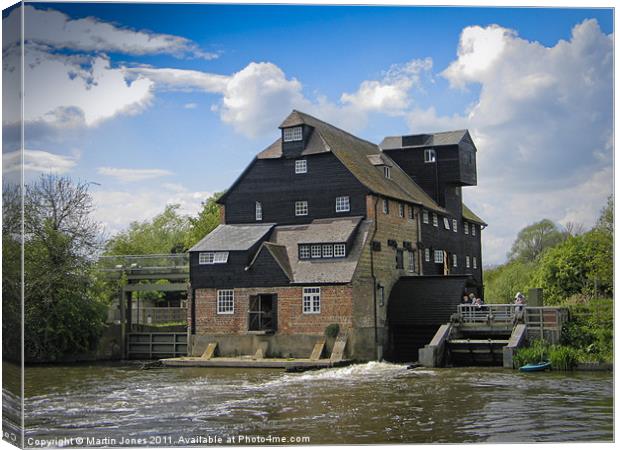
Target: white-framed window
(435,220)
(411,265)
(328,251)
(259,211)
(410,212)
(401,210)
(311,300)
(455,225)
(304,251)
(387,172)
(212,257)
(429,155)
(225,301)
(425,216)
(301,166)
(438,256)
(473,229)
(427,255)
(466,227)
(301,208)
(475,261)
(446,223)
(386,206)
(343,204)
(220,258)
(454,261)
(467,261)
(206,257)
(340,250)
(316,251)
(292,134)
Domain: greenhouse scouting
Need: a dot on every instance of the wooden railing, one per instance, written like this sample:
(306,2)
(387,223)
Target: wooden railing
(144,263)
(156,345)
(545,322)
(150,315)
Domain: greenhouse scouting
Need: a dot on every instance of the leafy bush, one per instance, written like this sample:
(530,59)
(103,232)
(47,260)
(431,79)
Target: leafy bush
(332,330)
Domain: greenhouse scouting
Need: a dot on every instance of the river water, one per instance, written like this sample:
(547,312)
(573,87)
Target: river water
(366,403)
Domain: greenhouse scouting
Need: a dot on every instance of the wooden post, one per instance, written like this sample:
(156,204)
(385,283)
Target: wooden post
(121,305)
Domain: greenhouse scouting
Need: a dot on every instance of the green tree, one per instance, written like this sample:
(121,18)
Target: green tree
(165,233)
(64,312)
(534,239)
(606,219)
(207,219)
(503,282)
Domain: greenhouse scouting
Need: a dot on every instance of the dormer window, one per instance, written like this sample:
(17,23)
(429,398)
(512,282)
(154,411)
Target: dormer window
(301,166)
(429,155)
(387,173)
(292,134)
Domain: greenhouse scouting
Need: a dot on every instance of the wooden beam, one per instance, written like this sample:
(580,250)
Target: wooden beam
(155,287)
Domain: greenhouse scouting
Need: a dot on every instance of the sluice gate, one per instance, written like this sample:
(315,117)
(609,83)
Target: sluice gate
(489,335)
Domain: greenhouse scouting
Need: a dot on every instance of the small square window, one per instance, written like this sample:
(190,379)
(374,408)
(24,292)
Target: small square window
(475,261)
(438,256)
(429,155)
(328,251)
(467,261)
(435,220)
(311,300)
(473,229)
(386,206)
(316,251)
(455,225)
(425,216)
(259,211)
(301,166)
(301,208)
(446,223)
(427,255)
(304,251)
(466,227)
(340,250)
(342,204)
(401,210)
(454,261)
(387,173)
(292,134)
(225,301)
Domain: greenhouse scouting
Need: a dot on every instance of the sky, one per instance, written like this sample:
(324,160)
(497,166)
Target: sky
(168,103)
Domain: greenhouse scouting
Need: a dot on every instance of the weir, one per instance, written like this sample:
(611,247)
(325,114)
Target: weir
(489,335)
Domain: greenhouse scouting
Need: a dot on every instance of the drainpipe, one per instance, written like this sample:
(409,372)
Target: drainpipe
(374,278)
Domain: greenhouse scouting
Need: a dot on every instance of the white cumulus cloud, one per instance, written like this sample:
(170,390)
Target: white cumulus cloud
(542,124)
(132,175)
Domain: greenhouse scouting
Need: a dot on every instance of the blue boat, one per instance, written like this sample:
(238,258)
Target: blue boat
(536,367)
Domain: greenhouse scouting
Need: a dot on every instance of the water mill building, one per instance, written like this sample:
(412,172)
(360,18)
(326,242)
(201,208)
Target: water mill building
(324,228)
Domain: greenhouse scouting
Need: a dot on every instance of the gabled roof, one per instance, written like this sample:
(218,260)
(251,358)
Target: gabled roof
(425,140)
(324,230)
(469,215)
(358,156)
(233,237)
(279,254)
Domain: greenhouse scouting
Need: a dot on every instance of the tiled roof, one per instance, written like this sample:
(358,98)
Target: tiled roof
(356,154)
(331,270)
(424,140)
(232,237)
(471,216)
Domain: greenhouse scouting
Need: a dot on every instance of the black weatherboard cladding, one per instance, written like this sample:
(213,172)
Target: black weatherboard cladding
(274,183)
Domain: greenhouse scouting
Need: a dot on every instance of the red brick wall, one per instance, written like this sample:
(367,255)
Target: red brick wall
(336,307)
